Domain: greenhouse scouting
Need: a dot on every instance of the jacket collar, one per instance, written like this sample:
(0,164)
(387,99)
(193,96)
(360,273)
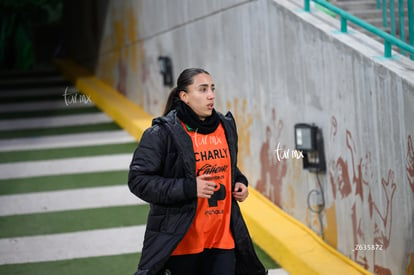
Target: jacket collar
(183,140)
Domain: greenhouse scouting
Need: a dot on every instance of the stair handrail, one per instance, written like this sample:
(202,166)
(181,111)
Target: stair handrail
(382,5)
(389,40)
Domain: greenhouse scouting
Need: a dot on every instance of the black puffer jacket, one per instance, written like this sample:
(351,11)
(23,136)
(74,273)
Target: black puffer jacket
(162,172)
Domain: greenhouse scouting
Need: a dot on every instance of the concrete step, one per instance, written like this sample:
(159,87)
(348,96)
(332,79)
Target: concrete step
(353,5)
(377,22)
(354,1)
(31,82)
(29,73)
(377,38)
(367,11)
(33,92)
(370,13)
(366,6)
(387,30)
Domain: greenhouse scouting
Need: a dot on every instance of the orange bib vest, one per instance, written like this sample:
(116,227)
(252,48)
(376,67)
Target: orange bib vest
(211,225)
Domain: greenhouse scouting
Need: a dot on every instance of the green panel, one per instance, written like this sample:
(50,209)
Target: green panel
(70,152)
(268,262)
(50,113)
(61,182)
(59,130)
(108,265)
(74,220)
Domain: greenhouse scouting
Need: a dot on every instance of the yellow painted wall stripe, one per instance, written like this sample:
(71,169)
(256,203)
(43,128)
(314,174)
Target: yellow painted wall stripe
(293,245)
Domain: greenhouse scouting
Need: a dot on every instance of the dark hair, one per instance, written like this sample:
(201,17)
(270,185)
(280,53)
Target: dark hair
(183,81)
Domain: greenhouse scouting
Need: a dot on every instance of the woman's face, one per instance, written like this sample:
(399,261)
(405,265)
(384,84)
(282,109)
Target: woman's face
(200,95)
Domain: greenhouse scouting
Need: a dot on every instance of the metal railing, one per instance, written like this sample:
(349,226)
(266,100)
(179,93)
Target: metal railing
(401,18)
(389,40)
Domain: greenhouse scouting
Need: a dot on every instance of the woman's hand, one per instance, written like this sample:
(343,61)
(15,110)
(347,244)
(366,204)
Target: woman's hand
(205,188)
(240,192)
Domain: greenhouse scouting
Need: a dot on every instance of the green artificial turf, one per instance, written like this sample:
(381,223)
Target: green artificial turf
(70,152)
(50,113)
(59,130)
(73,220)
(61,182)
(108,265)
(104,265)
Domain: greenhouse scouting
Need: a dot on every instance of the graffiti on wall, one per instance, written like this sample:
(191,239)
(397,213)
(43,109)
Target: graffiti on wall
(358,218)
(351,182)
(272,171)
(119,58)
(244,122)
(410,177)
(410,163)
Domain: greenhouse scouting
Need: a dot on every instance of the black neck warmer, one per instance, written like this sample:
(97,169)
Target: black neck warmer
(187,115)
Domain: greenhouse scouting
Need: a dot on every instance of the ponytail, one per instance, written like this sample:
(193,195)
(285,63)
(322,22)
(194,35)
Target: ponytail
(172,101)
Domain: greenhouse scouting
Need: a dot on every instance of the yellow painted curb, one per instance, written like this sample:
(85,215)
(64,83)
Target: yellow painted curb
(123,111)
(293,245)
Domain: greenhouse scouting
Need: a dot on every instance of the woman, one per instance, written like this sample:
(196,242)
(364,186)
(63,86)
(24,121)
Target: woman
(185,167)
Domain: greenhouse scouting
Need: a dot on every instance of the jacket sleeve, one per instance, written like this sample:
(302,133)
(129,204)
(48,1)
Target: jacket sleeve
(145,177)
(240,177)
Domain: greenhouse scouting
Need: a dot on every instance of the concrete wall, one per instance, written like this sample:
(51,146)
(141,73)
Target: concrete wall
(274,66)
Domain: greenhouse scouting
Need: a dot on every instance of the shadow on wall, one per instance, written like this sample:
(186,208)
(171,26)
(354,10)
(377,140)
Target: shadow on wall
(102,36)
(83,26)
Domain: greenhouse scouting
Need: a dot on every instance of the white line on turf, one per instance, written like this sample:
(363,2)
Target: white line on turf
(278,271)
(65,166)
(40,106)
(72,199)
(57,121)
(65,141)
(83,244)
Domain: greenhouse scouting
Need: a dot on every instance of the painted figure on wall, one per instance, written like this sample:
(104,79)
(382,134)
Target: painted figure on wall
(272,170)
(383,221)
(410,163)
(410,178)
(339,178)
(351,178)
